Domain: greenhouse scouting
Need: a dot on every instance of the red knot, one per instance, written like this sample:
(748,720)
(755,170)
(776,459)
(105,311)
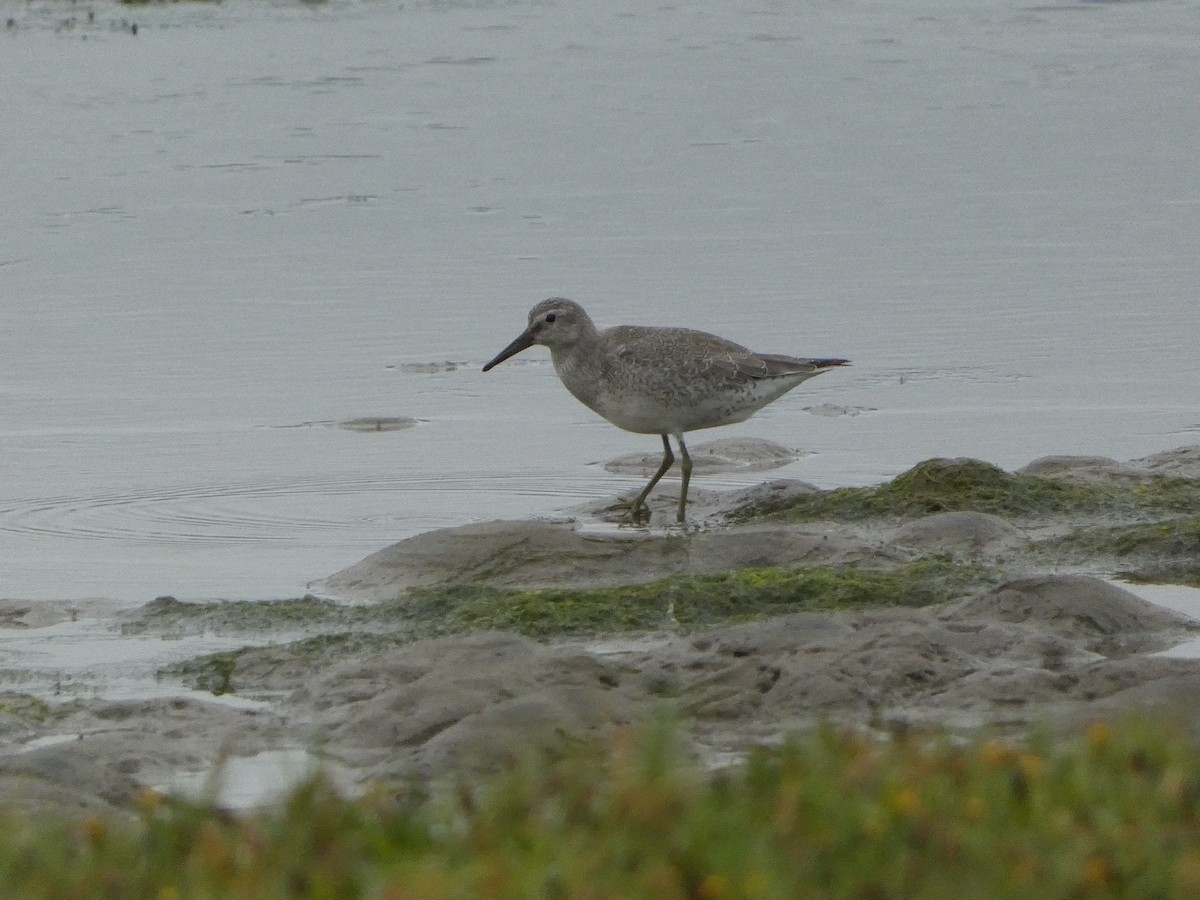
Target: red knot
(662,381)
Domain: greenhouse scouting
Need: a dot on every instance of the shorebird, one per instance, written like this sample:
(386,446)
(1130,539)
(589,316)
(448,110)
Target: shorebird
(663,381)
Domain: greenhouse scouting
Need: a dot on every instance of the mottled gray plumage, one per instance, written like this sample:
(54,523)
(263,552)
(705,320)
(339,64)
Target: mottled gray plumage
(661,381)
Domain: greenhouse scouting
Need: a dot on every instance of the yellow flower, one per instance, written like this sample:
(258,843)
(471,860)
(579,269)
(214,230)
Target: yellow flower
(756,884)
(1032,765)
(873,826)
(997,755)
(149,800)
(94,829)
(1099,735)
(1025,871)
(1096,873)
(906,802)
(714,887)
(213,846)
(976,808)
(1187,874)
(1174,786)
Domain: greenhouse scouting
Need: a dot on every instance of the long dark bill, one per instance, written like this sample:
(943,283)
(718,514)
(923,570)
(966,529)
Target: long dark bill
(523,342)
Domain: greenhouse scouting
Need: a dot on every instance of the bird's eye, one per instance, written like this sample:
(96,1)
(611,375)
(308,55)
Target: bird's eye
(550,317)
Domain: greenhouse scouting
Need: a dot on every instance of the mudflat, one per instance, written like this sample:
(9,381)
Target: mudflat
(957,595)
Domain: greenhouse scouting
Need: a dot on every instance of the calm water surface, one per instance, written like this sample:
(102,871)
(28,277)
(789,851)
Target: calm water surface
(248,222)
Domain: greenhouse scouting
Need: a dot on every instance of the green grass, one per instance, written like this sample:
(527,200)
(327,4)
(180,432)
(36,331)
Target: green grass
(941,485)
(1113,812)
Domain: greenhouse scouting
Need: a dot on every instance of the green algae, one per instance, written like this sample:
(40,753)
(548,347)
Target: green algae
(1166,551)
(1162,573)
(680,603)
(227,672)
(959,485)
(167,614)
(697,601)
(24,706)
(219,675)
(1167,539)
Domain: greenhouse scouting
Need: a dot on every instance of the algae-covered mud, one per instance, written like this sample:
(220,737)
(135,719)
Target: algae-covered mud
(957,595)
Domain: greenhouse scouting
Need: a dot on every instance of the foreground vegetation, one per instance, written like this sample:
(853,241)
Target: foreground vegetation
(1114,812)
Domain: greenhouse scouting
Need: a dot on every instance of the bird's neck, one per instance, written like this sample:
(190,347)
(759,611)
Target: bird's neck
(578,367)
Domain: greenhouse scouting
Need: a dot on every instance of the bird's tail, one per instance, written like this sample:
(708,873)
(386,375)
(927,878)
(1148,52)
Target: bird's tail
(790,365)
(827,363)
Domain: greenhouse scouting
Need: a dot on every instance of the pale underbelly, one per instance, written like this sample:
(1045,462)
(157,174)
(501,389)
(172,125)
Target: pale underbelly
(653,418)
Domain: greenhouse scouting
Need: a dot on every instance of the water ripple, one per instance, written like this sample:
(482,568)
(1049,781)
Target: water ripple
(267,511)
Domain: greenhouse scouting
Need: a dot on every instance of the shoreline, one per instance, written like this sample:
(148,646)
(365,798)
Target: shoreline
(955,596)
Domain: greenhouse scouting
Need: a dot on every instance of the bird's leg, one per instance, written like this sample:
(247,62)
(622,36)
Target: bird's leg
(639,501)
(685,465)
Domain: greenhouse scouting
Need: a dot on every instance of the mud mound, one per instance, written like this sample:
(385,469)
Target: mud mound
(1078,607)
(545,554)
(967,533)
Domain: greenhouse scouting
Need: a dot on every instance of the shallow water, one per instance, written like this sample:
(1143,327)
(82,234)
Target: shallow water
(1181,599)
(243,783)
(250,222)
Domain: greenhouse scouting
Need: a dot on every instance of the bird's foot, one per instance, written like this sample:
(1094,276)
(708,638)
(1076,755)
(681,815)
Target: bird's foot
(625,513)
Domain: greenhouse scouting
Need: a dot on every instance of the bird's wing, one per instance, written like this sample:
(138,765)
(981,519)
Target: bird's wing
(704,353)
(747,366)
(696,352)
